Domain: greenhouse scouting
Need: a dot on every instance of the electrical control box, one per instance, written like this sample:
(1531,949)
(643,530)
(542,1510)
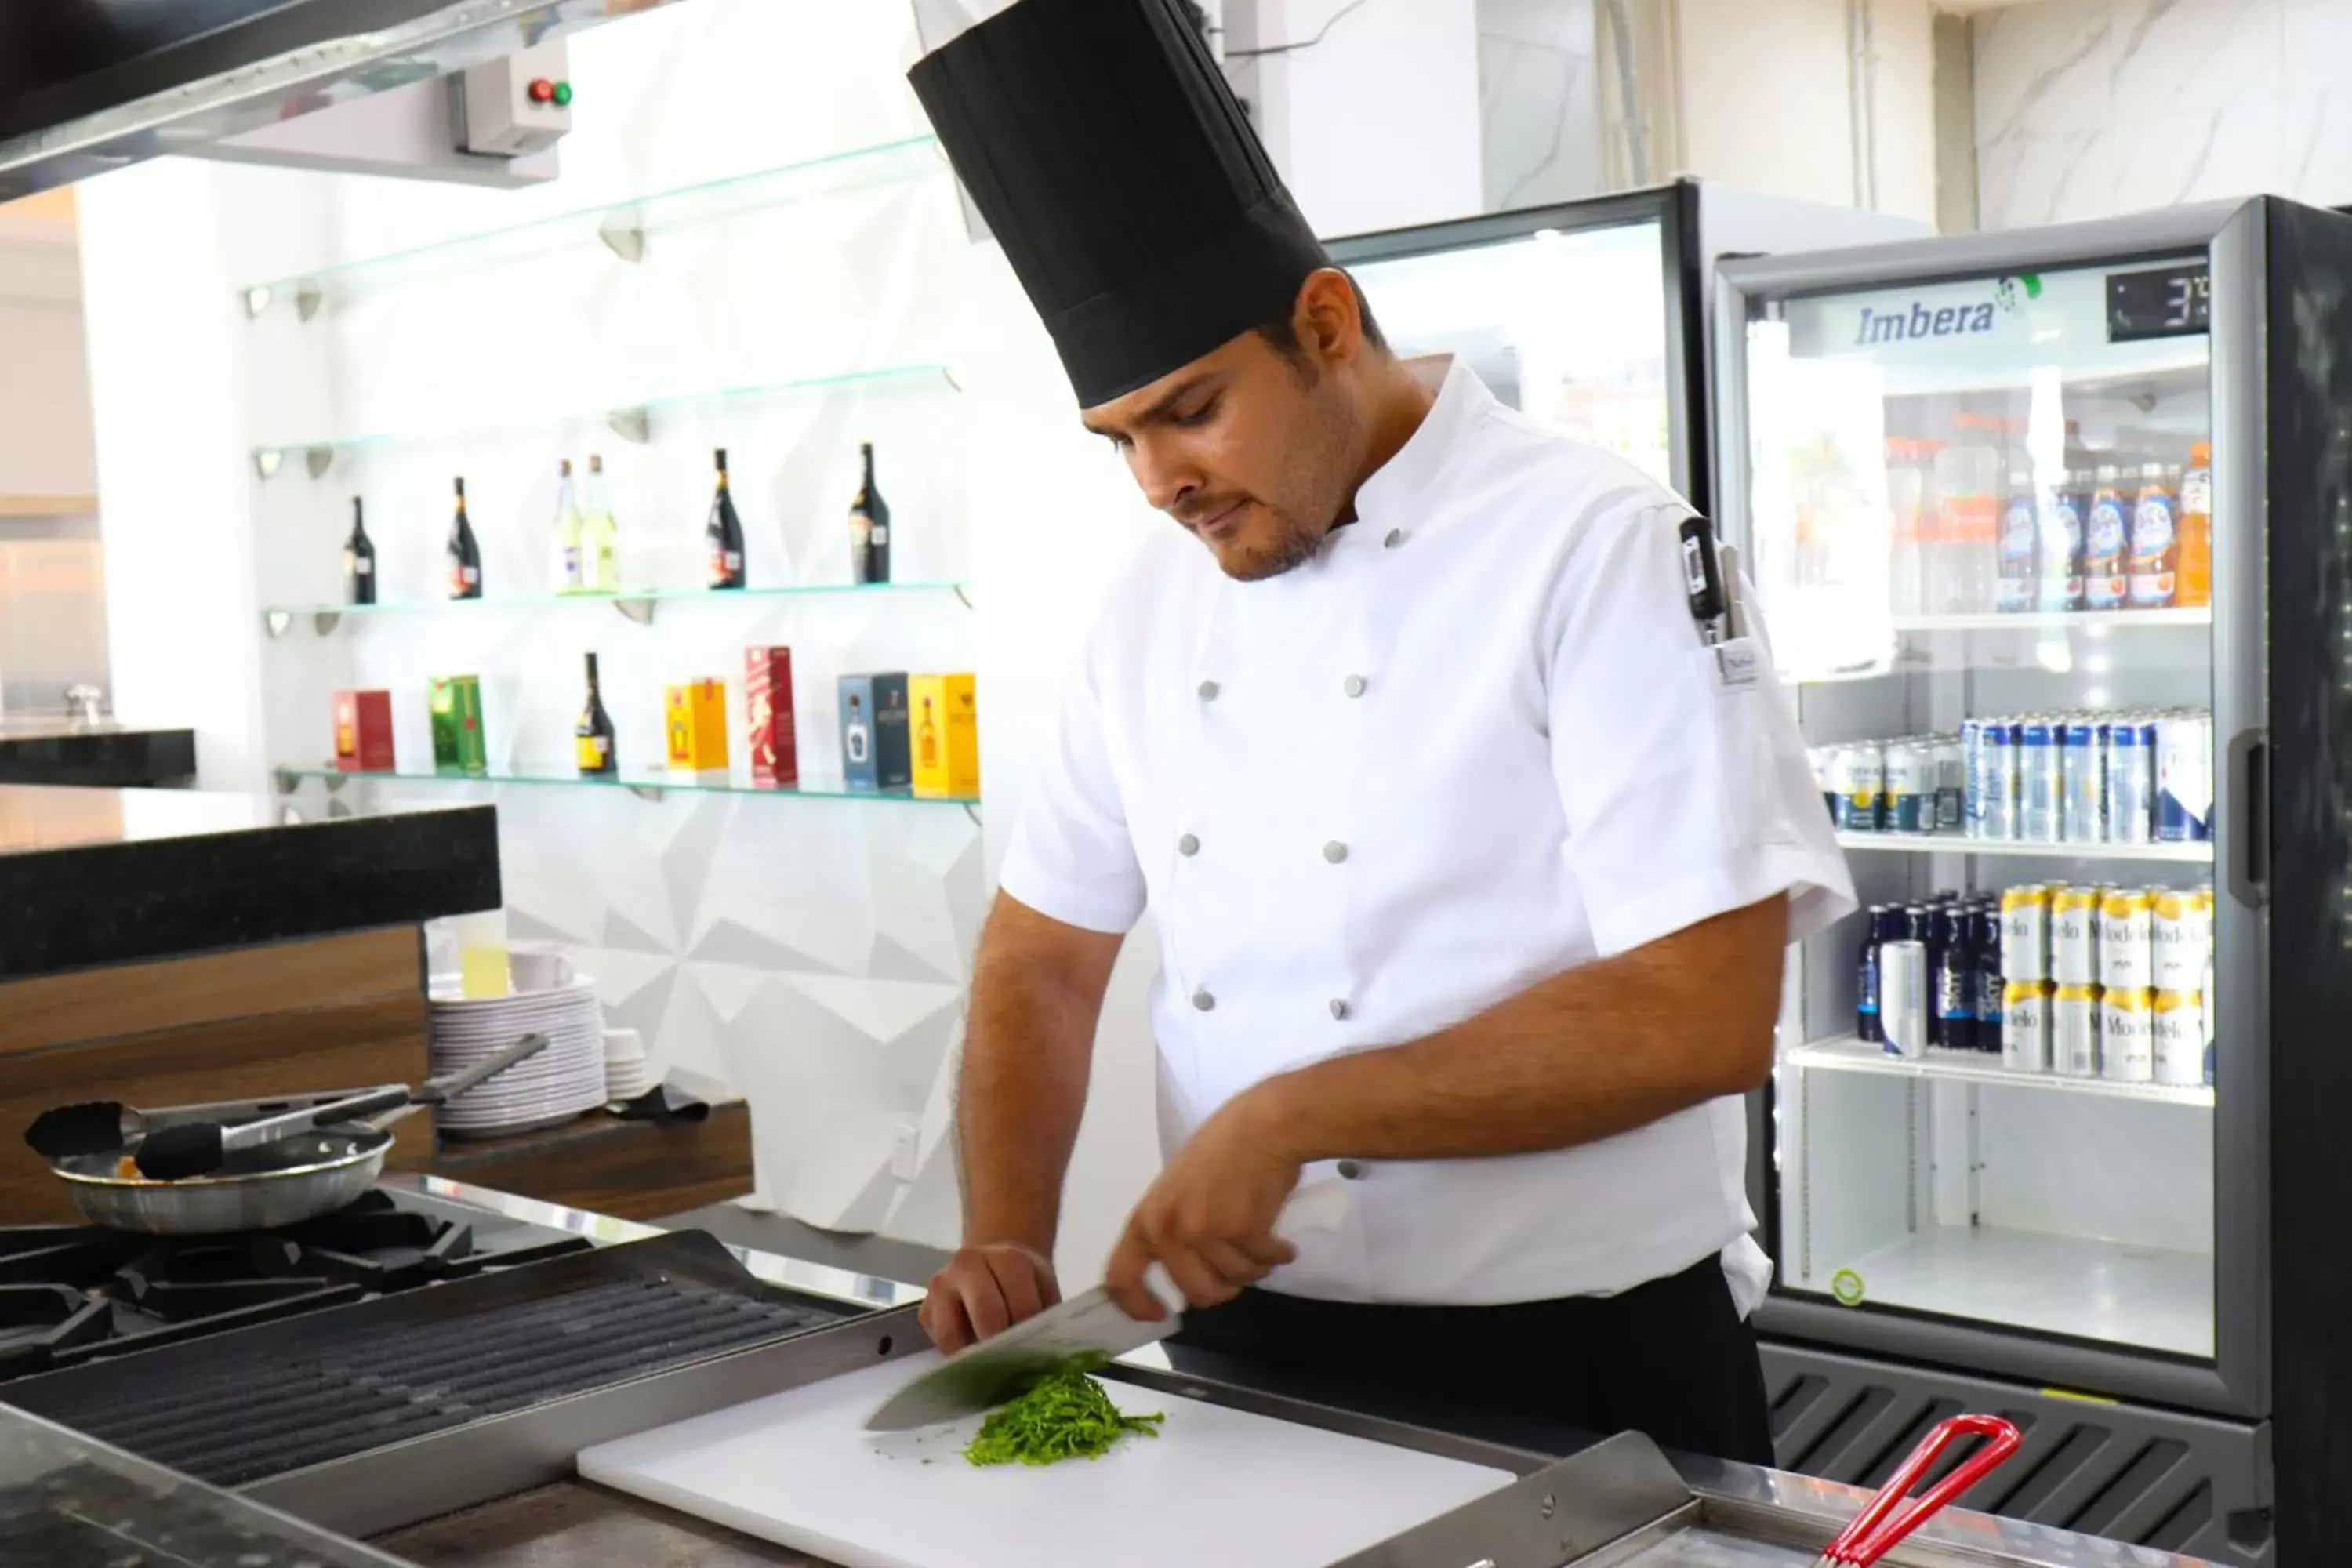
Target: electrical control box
(517,105)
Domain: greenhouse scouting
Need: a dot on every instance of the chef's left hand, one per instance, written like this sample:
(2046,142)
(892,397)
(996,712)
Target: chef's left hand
(1210,1216)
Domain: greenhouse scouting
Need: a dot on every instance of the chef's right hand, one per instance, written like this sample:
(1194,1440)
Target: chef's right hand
(984,1290)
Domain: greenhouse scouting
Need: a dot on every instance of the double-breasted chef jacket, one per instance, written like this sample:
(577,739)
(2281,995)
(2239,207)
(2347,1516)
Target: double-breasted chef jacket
(1478,740)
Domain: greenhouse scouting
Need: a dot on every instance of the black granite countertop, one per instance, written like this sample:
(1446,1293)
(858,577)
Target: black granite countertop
(57,752)
(110,876)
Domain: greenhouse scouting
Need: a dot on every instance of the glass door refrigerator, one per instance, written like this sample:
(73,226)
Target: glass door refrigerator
(2053,530)
(1594,314)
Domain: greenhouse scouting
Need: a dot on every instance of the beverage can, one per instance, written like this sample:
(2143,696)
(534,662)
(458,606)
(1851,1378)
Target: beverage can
(2125,1052)
(2025,933)
(2125,924)
(2107,542)
(1902,997)
(2074,1031)
(1999,771)
(2177,1038)
(2156,537)
(1861,778)
(2075,936)
(2025,1009)
(1972,799)
(1823,761)
(2131,781)
(2062,543)
(1910,788)
(1951,783)
(2083,765)
(2184,778)
(2176,940)
(2019,586)
(2041,781)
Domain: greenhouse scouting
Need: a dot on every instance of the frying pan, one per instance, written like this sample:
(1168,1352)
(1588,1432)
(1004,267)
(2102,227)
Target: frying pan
(275,1185)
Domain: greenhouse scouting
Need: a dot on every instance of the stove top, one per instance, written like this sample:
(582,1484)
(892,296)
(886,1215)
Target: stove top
(74,1293)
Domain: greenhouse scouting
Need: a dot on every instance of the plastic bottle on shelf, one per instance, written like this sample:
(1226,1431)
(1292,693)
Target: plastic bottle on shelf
(1968,474)
(2020,585)
(1906,494)
(2193,582)
(2156,537)
(2106,541)
(2064,508)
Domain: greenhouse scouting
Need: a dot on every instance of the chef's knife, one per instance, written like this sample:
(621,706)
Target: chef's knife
(1089,1326)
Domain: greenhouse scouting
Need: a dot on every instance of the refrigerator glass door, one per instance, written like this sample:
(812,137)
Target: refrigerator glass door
(1567,326)
(1981,529)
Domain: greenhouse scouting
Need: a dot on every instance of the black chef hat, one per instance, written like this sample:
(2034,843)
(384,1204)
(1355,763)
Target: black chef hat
(1103,146)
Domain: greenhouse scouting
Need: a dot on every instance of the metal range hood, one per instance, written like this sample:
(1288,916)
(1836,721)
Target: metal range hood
(86,86)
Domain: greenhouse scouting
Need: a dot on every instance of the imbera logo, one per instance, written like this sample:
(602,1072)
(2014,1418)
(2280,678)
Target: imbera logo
(1944,321)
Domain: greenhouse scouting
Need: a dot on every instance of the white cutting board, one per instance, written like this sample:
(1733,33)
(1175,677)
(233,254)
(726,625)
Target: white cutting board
(1216,1485)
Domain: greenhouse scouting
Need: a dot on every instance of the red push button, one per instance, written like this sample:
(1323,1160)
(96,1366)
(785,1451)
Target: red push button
(542,91)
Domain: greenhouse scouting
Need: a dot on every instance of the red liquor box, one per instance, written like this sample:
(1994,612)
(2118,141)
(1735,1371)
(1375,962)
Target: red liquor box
(768,700)
(363,731)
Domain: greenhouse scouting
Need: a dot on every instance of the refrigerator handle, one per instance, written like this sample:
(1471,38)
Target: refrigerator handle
(2250,797)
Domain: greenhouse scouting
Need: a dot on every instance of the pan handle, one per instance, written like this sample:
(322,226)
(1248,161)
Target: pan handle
(1875,1533)
(440,1092)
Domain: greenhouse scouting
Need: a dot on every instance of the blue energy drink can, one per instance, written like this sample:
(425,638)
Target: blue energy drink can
(1998,780)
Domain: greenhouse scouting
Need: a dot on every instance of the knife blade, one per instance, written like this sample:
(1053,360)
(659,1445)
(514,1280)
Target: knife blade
(1088,1326)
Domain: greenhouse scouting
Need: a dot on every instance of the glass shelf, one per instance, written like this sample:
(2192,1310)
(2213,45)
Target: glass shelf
(1850,1055)
(1958,844)
(632,422)
(2056,620)
(640,781)
(624,226)
(637,604)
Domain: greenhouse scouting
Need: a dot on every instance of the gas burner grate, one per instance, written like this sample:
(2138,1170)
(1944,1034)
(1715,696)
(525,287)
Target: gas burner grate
(134,1293)
(239,1408)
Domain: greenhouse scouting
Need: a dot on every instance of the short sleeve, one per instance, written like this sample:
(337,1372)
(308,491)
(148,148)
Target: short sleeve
(1681,771)
(1072,858)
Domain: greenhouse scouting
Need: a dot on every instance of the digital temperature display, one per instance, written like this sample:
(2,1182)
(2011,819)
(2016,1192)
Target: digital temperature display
(2164,302)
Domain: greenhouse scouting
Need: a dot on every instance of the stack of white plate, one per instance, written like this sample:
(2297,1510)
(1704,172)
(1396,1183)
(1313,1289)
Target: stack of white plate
(543,1091)
(628,1071)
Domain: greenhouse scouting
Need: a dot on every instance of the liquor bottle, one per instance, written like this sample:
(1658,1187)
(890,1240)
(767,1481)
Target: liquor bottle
(927,739)
(725,534)
(465,557)
(857,739)
(567,531)
(593,736)
(359,560)
(869,528)
(600,534)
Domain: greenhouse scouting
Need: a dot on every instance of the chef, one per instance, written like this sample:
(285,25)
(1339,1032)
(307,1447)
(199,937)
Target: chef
(1472,845)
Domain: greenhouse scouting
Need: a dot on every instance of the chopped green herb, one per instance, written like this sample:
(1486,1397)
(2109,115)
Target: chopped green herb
(1066,1415)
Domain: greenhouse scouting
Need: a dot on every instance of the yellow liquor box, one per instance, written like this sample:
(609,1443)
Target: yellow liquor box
(944,721)
(696,723)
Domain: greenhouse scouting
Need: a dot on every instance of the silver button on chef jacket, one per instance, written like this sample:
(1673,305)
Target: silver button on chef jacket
(1544,765)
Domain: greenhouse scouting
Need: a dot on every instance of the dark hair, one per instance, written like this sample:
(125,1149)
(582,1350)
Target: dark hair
(1281,332)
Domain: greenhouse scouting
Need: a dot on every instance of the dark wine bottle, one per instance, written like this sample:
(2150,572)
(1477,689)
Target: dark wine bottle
(725,534)
(591,738)
(465,556)
(359,560)
(869,528)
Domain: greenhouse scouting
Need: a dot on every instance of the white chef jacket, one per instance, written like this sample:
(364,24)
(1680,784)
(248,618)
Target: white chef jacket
(1478,740)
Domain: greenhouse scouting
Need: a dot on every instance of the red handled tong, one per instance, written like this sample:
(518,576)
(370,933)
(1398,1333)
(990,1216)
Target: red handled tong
(1891,1515)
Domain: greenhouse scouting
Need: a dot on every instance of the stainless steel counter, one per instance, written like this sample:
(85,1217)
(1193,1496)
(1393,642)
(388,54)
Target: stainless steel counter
(1743,1516)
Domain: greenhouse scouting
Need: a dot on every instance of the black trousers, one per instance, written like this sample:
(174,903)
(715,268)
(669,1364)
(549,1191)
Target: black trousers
(1671,1358)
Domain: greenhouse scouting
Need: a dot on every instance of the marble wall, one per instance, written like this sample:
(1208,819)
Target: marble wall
(1539,109)
(2089,108)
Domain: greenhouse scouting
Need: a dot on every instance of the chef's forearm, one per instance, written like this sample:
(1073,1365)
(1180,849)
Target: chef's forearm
(1037,994)
(1586,1054)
